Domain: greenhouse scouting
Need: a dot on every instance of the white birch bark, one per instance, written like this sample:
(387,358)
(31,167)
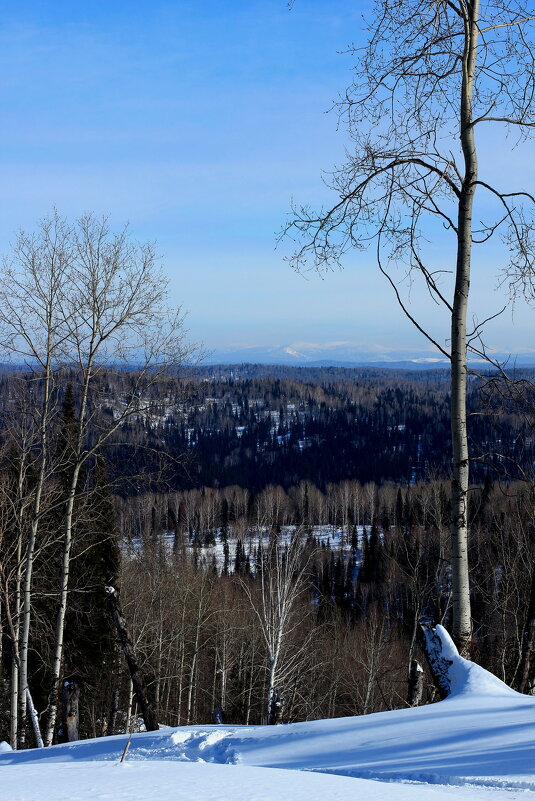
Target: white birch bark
(15,662)
(462,623)
(32,539)
(35,720)
(62,611)
(128,724)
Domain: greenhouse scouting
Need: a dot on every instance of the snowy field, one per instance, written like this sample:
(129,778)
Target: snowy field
(477,744)
(335,537)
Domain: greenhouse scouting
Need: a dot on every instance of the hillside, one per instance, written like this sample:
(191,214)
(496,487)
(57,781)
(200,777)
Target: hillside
(476,744)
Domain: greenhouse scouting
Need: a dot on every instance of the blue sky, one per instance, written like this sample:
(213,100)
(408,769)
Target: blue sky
(198,123)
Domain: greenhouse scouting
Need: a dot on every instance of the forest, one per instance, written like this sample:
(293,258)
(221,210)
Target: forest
(275,541)
(212,574)
(319,425)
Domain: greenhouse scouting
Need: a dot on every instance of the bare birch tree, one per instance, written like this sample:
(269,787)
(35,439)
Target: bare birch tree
(81,296)
(31,284)
(114,314)
(431,75)
(274,600)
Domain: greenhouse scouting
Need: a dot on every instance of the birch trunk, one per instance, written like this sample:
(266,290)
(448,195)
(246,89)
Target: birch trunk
(271,690)
(181,674)
(28,697)
(35,720)
(462,627)
(14,704)
(15,661)
(193,668)
(527,677)
(62,611)
(416,684)
(250,689)
(30,550)
(130,705)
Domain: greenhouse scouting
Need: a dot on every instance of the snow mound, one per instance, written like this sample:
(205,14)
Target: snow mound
(464,676)
(5,747)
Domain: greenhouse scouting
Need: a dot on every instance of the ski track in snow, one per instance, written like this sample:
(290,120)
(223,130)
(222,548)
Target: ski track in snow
(193,746)
(217,746)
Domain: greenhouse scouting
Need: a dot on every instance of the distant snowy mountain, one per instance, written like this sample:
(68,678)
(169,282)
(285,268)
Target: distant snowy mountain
(347,354)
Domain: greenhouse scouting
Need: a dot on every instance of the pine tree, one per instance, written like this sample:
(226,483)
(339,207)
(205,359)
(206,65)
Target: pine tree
(239,560)
(399,509)
(91,657)
(354,540)
(226,557)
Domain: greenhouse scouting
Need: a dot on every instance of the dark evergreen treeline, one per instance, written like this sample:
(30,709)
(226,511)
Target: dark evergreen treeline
(256,432)
(330,426)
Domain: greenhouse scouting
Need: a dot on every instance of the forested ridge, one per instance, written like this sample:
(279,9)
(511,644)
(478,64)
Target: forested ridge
(327,425)
(324,425)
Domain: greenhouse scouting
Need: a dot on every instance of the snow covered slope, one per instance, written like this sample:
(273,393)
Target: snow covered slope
(479,743)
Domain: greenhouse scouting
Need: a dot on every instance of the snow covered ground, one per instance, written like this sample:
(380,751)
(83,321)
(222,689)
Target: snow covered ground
(337,538)
(477,744)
